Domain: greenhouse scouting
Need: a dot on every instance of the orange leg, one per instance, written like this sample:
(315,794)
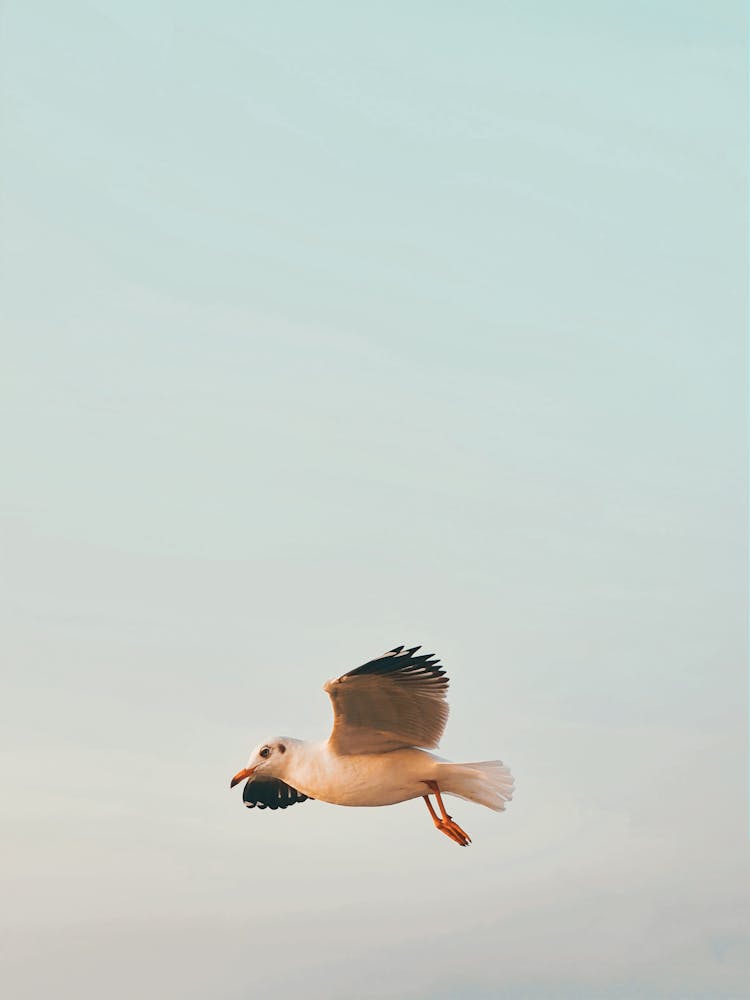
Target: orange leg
(444,823)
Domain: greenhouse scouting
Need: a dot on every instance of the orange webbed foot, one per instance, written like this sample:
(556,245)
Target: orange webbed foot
(454,831)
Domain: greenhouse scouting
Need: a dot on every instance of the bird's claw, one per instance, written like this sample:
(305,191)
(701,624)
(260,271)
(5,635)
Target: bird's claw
(454,831)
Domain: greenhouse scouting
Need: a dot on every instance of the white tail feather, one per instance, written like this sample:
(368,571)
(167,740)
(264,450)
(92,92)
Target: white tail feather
(488,782)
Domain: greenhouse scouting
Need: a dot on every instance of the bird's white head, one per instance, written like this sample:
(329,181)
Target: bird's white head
(267,758)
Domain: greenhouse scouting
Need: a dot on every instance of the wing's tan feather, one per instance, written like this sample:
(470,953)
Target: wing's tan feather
(397,700)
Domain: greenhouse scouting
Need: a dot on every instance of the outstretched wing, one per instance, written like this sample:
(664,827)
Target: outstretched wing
(270,793)
(396,700)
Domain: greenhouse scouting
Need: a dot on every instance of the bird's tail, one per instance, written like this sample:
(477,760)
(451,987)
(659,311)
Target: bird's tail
(488,782)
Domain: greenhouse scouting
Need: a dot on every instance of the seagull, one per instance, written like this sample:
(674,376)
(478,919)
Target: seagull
(387,714)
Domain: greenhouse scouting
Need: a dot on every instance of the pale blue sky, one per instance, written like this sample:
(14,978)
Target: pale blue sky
(335,326)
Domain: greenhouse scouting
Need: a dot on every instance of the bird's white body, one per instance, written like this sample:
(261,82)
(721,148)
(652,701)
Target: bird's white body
(373,779)
(383,779)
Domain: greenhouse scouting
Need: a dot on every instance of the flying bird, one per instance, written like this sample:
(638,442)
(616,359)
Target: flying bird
(387,714)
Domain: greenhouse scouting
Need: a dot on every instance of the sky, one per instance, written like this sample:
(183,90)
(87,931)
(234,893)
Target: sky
(331,327)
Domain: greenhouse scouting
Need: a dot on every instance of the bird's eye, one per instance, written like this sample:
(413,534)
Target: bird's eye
(265,752)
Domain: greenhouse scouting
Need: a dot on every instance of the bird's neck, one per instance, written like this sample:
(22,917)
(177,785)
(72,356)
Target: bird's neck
(302,764)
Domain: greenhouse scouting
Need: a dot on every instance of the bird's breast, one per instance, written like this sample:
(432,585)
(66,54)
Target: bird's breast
(364,779)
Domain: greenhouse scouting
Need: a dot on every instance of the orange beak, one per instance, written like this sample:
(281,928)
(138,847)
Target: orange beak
(241,775)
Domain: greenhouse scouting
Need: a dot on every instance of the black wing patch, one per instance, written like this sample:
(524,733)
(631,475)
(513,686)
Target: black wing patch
(426,667)
(270,793)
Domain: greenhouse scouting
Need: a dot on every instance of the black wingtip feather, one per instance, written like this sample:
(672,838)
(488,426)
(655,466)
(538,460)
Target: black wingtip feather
(270,793)
(395,661)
